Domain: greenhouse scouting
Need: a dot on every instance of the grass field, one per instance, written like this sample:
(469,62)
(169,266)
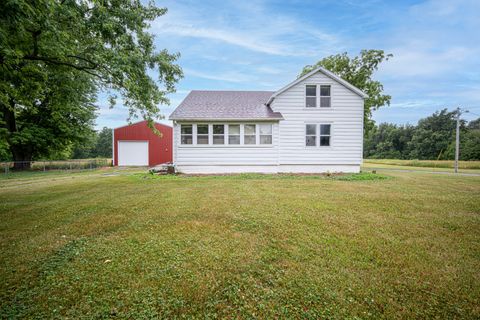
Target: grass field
(464,166)
(403,245)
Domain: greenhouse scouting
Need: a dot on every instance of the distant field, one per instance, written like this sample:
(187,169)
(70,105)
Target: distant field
(446,164)
(113,243)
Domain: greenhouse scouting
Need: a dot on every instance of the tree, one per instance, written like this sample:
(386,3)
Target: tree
(358,71)
(103,147)
(388,141)
(53,48)
(470,149)
(434,137)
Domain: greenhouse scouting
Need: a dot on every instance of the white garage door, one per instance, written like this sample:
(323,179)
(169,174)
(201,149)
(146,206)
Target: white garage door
(133,153)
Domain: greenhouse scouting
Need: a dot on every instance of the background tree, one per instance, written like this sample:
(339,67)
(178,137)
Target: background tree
(359,72)
(388,141)
(433,136)
(103,147)
(51,47)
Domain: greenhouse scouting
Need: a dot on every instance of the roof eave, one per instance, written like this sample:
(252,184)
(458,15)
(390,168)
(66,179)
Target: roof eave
(226,119)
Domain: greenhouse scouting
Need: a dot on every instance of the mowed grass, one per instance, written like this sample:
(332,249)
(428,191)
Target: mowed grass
(247,246)
(433,164)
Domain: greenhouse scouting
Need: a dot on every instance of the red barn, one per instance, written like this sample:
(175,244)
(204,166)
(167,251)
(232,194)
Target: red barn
(137,145)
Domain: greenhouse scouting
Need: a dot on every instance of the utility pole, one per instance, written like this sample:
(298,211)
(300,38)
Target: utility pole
(457,141)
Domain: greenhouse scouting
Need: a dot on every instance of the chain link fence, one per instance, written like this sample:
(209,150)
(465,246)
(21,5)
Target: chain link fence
(59,165)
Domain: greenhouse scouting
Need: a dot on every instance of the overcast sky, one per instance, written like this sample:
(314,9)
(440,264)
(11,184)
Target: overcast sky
(263,45)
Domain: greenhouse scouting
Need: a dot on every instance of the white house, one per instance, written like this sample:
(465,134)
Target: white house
(314,124)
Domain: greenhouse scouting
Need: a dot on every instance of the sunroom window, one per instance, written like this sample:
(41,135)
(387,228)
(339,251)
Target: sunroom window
(186,134)
(202,133)
(265,134)
(249,136)
(233,134)
(218,134)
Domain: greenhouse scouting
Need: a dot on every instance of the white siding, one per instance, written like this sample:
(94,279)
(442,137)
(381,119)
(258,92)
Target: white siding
(345,115)
(224,155)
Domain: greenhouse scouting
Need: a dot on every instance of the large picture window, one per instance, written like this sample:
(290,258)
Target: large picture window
(265,134)
(233,134)
(202,133)
(186,134)
(218,134)
(249,136)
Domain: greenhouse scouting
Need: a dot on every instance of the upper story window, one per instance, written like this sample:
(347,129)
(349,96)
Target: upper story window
(202,133)
(218,134)
(325,97)
(311,93)
(311,96)
(265,134)
(249,135)
(186,134)
(233,134)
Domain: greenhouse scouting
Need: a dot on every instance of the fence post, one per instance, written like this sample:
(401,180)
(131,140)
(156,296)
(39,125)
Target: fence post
(43,166)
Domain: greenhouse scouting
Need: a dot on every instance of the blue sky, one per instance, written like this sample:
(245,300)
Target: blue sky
(263,45)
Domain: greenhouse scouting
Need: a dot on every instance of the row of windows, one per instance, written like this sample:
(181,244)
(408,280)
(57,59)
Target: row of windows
(312,91)
(230,134)
(318,135)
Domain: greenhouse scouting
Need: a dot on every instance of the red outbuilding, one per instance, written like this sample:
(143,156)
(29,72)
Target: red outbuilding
(137,145)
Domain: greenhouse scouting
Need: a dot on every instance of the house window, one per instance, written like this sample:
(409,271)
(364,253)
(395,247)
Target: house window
(311,135)
(325,134)
(202,133)
(325,97)
(265,134)
(186,134)
(311,96)
(249,136)
(218,134)
(233,134)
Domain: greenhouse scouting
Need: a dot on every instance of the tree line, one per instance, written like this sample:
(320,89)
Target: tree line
(432,138)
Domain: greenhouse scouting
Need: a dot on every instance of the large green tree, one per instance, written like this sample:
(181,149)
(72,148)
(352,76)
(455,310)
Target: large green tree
(359,71)
(55,55)
(434,136)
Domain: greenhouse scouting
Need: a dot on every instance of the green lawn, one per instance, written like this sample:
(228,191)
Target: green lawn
(249,246)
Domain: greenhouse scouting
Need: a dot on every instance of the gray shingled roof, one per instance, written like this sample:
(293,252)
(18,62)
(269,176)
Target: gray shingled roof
(225,105)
